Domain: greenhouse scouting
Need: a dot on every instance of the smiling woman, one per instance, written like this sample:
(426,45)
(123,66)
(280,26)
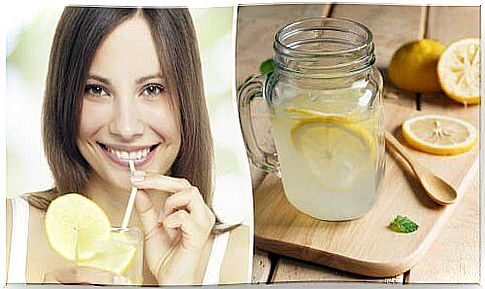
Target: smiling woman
(124,85)
(131,113)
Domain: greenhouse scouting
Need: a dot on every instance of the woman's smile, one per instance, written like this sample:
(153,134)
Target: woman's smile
(122,154)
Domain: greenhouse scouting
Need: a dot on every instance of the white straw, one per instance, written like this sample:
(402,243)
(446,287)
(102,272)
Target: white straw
(132,166)
(131,201)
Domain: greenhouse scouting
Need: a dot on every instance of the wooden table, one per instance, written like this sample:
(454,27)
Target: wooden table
(454,255)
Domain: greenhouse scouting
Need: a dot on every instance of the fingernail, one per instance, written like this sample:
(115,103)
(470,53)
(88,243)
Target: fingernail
(169,223)
(139,173)
(137,179)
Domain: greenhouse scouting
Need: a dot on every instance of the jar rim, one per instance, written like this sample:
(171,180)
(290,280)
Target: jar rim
(324,47)
(287,30)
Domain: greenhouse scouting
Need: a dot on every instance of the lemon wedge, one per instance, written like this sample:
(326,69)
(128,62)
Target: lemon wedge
(413,66)
(75,223)
(335,149)
(438,134)
(459,71)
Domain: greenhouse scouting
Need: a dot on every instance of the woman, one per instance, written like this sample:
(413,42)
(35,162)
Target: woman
(125,84)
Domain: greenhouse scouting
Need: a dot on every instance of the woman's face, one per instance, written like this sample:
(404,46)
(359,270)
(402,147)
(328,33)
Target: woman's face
(126,112)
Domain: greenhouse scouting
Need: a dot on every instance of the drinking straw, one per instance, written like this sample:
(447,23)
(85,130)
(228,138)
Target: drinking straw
(131,200)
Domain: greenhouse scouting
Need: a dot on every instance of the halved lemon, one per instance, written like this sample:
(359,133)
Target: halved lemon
(74,224)
(459,71)
(438,134)
(335,149)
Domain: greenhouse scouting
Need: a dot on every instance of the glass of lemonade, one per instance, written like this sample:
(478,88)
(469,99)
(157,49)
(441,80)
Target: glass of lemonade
(120,253)
(78,230)
(326,111)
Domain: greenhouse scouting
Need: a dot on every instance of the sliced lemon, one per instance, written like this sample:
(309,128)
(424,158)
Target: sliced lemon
(303,112)
(459,71)
(334,148)
(438,134)
(74,225)
(115,254)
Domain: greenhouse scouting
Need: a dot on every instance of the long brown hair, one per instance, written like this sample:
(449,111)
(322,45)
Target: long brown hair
(79,33)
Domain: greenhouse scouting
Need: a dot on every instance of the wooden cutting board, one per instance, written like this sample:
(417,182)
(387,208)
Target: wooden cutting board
(366,246)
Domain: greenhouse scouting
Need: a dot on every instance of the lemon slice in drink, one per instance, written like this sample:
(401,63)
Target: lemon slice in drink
(115,255)
(335,149)
(438,134)
(459,70)
(303,112)
(75,223)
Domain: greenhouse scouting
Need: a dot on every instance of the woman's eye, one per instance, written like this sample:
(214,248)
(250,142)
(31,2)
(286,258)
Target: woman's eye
(153,90)
(95,90)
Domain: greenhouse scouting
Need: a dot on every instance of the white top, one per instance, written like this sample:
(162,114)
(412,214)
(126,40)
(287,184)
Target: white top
(20,233)
(18,242)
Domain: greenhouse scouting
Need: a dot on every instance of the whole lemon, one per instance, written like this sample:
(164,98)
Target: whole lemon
(413,66)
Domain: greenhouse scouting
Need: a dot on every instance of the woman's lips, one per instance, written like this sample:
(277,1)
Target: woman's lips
(140,155)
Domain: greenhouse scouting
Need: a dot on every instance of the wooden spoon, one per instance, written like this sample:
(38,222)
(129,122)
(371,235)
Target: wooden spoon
(435,187)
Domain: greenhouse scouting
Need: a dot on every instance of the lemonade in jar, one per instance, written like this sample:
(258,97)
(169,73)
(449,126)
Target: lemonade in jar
(330,154)
(326,112)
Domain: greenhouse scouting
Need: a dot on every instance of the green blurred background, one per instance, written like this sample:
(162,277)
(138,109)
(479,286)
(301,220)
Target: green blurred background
(28,44)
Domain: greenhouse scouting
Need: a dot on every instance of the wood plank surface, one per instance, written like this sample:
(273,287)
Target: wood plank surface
(451,23)
(378,252)
(391,25)
(261,267)
(289,269)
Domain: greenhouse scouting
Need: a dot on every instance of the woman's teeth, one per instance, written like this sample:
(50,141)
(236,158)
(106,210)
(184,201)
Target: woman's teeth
(134,155)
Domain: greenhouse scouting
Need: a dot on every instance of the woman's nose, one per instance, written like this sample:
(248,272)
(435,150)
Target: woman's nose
(126,121)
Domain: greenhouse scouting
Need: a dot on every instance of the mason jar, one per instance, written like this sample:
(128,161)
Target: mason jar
(325,104)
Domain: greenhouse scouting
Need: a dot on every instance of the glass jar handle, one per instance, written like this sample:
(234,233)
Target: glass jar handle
(253,88)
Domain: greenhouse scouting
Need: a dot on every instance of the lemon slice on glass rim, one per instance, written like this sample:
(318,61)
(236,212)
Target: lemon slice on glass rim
(459,71)
(334,148)
(439,134)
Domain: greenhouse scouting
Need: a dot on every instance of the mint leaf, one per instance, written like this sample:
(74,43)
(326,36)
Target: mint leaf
(267,66)
(403,225)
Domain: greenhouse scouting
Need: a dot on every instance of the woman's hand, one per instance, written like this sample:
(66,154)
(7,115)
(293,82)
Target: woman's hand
(85,275)
(176,236)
